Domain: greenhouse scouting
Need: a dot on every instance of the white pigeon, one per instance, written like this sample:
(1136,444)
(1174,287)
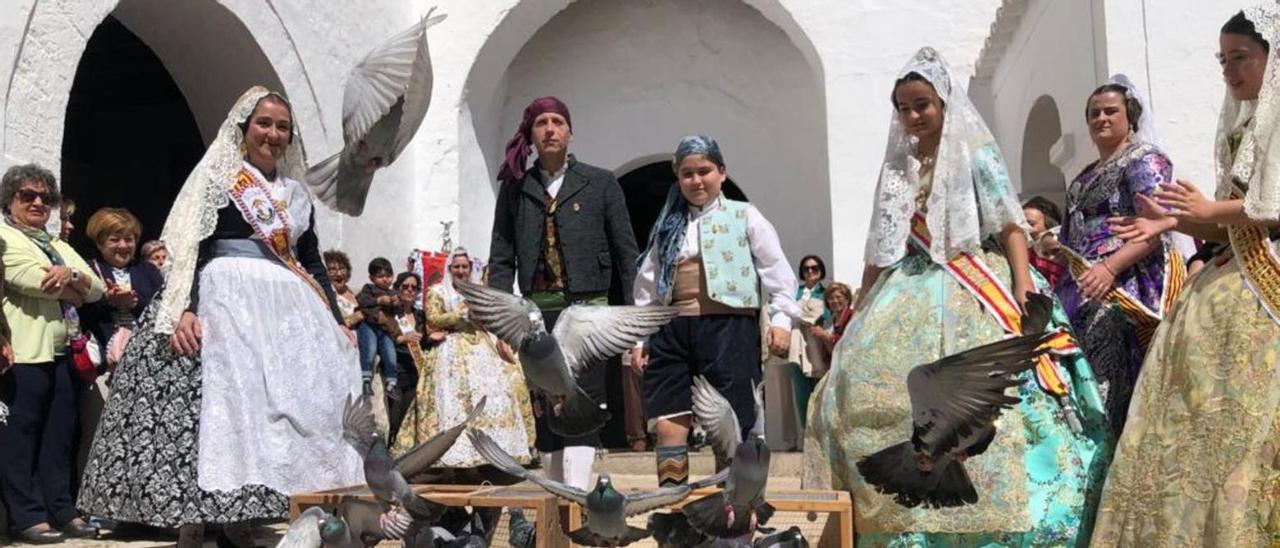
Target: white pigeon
(384,103)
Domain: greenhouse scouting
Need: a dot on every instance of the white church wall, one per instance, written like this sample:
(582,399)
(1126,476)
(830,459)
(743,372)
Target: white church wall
(1171,54)
(638,76)
(1051,52)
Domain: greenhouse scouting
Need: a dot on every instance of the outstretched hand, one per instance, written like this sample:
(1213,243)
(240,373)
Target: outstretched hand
(1152,221)
(1183,200)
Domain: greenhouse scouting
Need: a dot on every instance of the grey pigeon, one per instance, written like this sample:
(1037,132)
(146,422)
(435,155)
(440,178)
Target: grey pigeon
(583,336)
(386,476)
(954,403)
(791,538)
(367,524)
(384,102)
(740,507)
(520,531)
(304,532)
(606,508)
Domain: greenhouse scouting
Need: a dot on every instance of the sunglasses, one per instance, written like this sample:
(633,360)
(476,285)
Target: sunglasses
(407,286)
(27,195)
(811,268)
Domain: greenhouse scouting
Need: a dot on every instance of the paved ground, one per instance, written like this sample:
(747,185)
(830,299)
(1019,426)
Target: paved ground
(628,470)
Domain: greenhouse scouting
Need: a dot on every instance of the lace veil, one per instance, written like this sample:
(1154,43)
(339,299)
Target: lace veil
(1146,132)
(1256,163)
(195,211)
(452,300)
(960,213)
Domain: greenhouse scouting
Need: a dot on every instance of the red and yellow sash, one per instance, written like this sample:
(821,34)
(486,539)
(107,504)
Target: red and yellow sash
(974,275)
(1252,247)
(1144,319)
(270,221)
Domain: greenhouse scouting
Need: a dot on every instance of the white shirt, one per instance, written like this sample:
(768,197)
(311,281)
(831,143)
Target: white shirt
(766,252)
(553,181)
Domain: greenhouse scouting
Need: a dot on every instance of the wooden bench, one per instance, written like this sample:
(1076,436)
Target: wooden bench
(527,496)
(839,531)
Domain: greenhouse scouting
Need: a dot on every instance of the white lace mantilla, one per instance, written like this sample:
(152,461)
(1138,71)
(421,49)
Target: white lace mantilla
(1255,164)
(971,197)
(195,211)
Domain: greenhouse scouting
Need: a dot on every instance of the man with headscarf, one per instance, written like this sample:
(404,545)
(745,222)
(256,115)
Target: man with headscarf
(560,230)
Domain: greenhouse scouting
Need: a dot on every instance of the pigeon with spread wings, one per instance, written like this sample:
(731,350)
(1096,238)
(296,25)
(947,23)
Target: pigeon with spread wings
(583,336)
(607,508)
(384,103)
(740,507)
(955,402)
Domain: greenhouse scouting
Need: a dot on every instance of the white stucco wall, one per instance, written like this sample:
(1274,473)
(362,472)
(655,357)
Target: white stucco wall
(638,76)
(853,48)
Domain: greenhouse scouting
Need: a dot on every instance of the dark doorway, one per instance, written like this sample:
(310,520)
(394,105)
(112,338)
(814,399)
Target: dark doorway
(130,139)
(646,190)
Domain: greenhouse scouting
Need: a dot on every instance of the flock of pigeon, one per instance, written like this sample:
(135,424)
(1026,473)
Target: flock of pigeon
(955,400)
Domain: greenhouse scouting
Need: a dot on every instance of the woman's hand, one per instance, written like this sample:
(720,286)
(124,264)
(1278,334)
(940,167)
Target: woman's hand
(820,334)
(779,341)
(409,338)
(437,336)
(186,338)
(55,279)
(1184,201)
(640,358)
(351,336)
(505,352)
(121,299)
(1021,286)
(1097,281)
(6,357)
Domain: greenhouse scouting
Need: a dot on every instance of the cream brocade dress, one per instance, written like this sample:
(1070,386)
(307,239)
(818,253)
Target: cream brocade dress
(455,375)
(1199,461)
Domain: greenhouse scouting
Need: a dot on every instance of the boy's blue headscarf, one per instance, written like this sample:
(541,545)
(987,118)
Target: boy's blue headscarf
(668,231)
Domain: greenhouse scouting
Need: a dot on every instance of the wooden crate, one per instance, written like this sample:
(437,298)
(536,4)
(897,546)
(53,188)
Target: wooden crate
(544,505)
(838,532)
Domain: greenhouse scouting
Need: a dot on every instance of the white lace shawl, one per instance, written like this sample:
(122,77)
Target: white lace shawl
(971,196)
(195,211)
(1256,163)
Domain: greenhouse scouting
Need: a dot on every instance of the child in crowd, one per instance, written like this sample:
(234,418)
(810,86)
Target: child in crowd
(377,334)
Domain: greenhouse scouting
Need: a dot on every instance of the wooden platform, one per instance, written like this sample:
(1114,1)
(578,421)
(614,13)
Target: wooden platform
(838,533)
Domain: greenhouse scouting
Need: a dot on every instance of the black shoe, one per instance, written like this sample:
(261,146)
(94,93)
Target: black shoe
(368,388)
(32,535)
(78,528)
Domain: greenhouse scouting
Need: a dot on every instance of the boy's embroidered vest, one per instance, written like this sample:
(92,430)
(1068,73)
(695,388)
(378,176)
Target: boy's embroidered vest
(727,265)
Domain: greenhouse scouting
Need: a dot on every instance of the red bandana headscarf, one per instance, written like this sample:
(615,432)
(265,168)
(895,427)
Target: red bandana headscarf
(512,168)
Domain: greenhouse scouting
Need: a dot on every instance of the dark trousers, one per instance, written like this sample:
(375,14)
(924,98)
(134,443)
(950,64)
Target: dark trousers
(407,386)
(37,447)
(723,348)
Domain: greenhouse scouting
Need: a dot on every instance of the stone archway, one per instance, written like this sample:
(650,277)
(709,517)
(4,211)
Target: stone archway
(659,51)
(1040,177)
(209,47)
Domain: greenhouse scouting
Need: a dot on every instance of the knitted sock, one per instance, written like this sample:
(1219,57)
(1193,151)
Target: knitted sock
(673,465)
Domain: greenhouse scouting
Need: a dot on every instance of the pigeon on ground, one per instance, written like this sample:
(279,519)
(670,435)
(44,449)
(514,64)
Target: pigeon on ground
(384,102)
(304,532)
(583,336)
(606,508)
(673,530)
(739,508)
(520,531)
(386,476)
(791,538)
(955,402)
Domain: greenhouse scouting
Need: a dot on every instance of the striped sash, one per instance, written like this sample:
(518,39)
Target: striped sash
(1258,260)
(974,275)
(1144,319)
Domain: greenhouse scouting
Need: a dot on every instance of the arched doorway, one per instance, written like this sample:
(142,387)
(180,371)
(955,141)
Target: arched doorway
(130,139)
(1040,177)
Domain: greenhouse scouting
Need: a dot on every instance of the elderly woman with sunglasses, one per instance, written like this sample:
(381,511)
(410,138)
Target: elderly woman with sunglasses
(44,280)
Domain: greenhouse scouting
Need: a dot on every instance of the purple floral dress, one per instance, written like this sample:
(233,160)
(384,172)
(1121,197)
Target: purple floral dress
(1107,337)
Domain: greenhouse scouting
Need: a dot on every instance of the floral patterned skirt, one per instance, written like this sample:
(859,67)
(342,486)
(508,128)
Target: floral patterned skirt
(1199,461)
(1036,480)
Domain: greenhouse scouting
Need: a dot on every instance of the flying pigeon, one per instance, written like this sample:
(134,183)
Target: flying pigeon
(584,335)
(304,532)
(740,507)
(386,476)
(384,103)
(606,508)
(955,402)
(357,524)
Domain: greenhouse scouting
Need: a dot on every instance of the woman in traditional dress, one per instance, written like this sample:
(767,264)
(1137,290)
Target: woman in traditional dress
(945,201)
(459,371)
(229,396)
(1199,461)
(1113,285)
